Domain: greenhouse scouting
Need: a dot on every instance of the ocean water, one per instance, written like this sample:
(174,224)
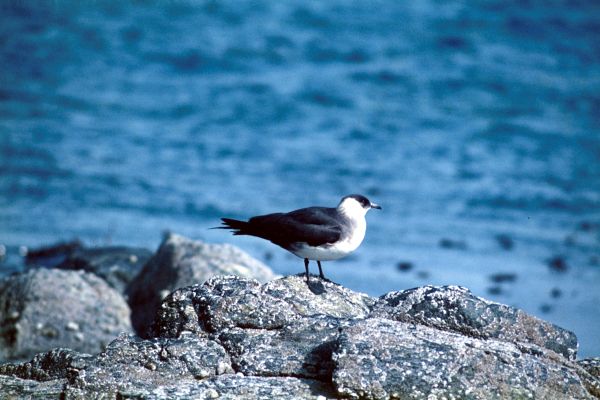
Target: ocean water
(476,125)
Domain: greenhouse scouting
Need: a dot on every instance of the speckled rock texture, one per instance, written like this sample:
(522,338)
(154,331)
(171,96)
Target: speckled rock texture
(117,265)
(230,301)
(131,364)
(190,366)
(181,262)
(47,308)
(455,309)
(382,359)
(233,337)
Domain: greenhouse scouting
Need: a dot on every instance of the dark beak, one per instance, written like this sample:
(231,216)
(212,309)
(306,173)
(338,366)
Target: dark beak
(377,206)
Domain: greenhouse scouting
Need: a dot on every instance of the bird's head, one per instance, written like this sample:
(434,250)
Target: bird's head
(356,205)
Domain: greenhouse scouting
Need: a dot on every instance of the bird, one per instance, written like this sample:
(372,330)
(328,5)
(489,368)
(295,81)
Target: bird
(312,233)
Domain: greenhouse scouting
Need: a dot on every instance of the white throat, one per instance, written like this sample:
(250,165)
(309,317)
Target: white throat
(355,212)
(352,209)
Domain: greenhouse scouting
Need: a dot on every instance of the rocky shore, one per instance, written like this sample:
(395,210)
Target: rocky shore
(204,321)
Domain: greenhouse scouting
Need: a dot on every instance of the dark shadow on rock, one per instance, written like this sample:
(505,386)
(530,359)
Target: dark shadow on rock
(315,286)
(319,360)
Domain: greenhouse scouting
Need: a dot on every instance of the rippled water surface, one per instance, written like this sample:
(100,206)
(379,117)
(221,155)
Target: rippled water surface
(476,126)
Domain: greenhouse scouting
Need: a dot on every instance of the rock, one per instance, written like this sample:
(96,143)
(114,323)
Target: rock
(182,262)
(454,308)
(17,388)
(505,241)
(230,301)
(224,387)
(54,364)
(38,310)
(383,359)
(404,266)
(117,265)
(558,264)
(302,349)
(161,368)
(234,337)
(495,290)
(591,365)
(503,277)
(51,256)
(453,244)
(555,293)
(131,364)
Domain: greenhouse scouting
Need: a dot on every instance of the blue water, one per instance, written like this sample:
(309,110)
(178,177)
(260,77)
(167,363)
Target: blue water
(465,121)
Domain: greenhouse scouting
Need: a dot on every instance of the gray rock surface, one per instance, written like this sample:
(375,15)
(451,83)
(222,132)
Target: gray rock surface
(17,388)
(161,368)
(383,359)
(237,338)
(47,308)
(54,364)
(230,301)
(181,262)
(302,349)
(591,365)
(131,364)
(454,308)
(117,265)
(224,387)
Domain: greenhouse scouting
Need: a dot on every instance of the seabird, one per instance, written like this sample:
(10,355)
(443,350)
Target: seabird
(312,233)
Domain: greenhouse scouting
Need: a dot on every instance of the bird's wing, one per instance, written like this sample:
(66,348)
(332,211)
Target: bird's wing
(315,226)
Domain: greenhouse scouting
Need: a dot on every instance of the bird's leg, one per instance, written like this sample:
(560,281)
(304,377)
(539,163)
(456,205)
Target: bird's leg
(306,266)
(320,270)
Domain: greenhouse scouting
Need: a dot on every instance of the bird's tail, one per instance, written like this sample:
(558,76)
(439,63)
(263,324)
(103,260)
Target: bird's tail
(236,226)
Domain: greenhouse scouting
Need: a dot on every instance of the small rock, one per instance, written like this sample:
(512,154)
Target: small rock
(558,264)
(453,244)
(546,308)
(503,277)
(505,241)
(495,290)
(49,332)
(50,256)
(404,266)
(423,275)
(151,366)
(587,226)
(570,240)
(268,256)
(72,326)
(555,293)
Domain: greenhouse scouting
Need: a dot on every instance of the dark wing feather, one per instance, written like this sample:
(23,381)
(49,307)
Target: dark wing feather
(315,226)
